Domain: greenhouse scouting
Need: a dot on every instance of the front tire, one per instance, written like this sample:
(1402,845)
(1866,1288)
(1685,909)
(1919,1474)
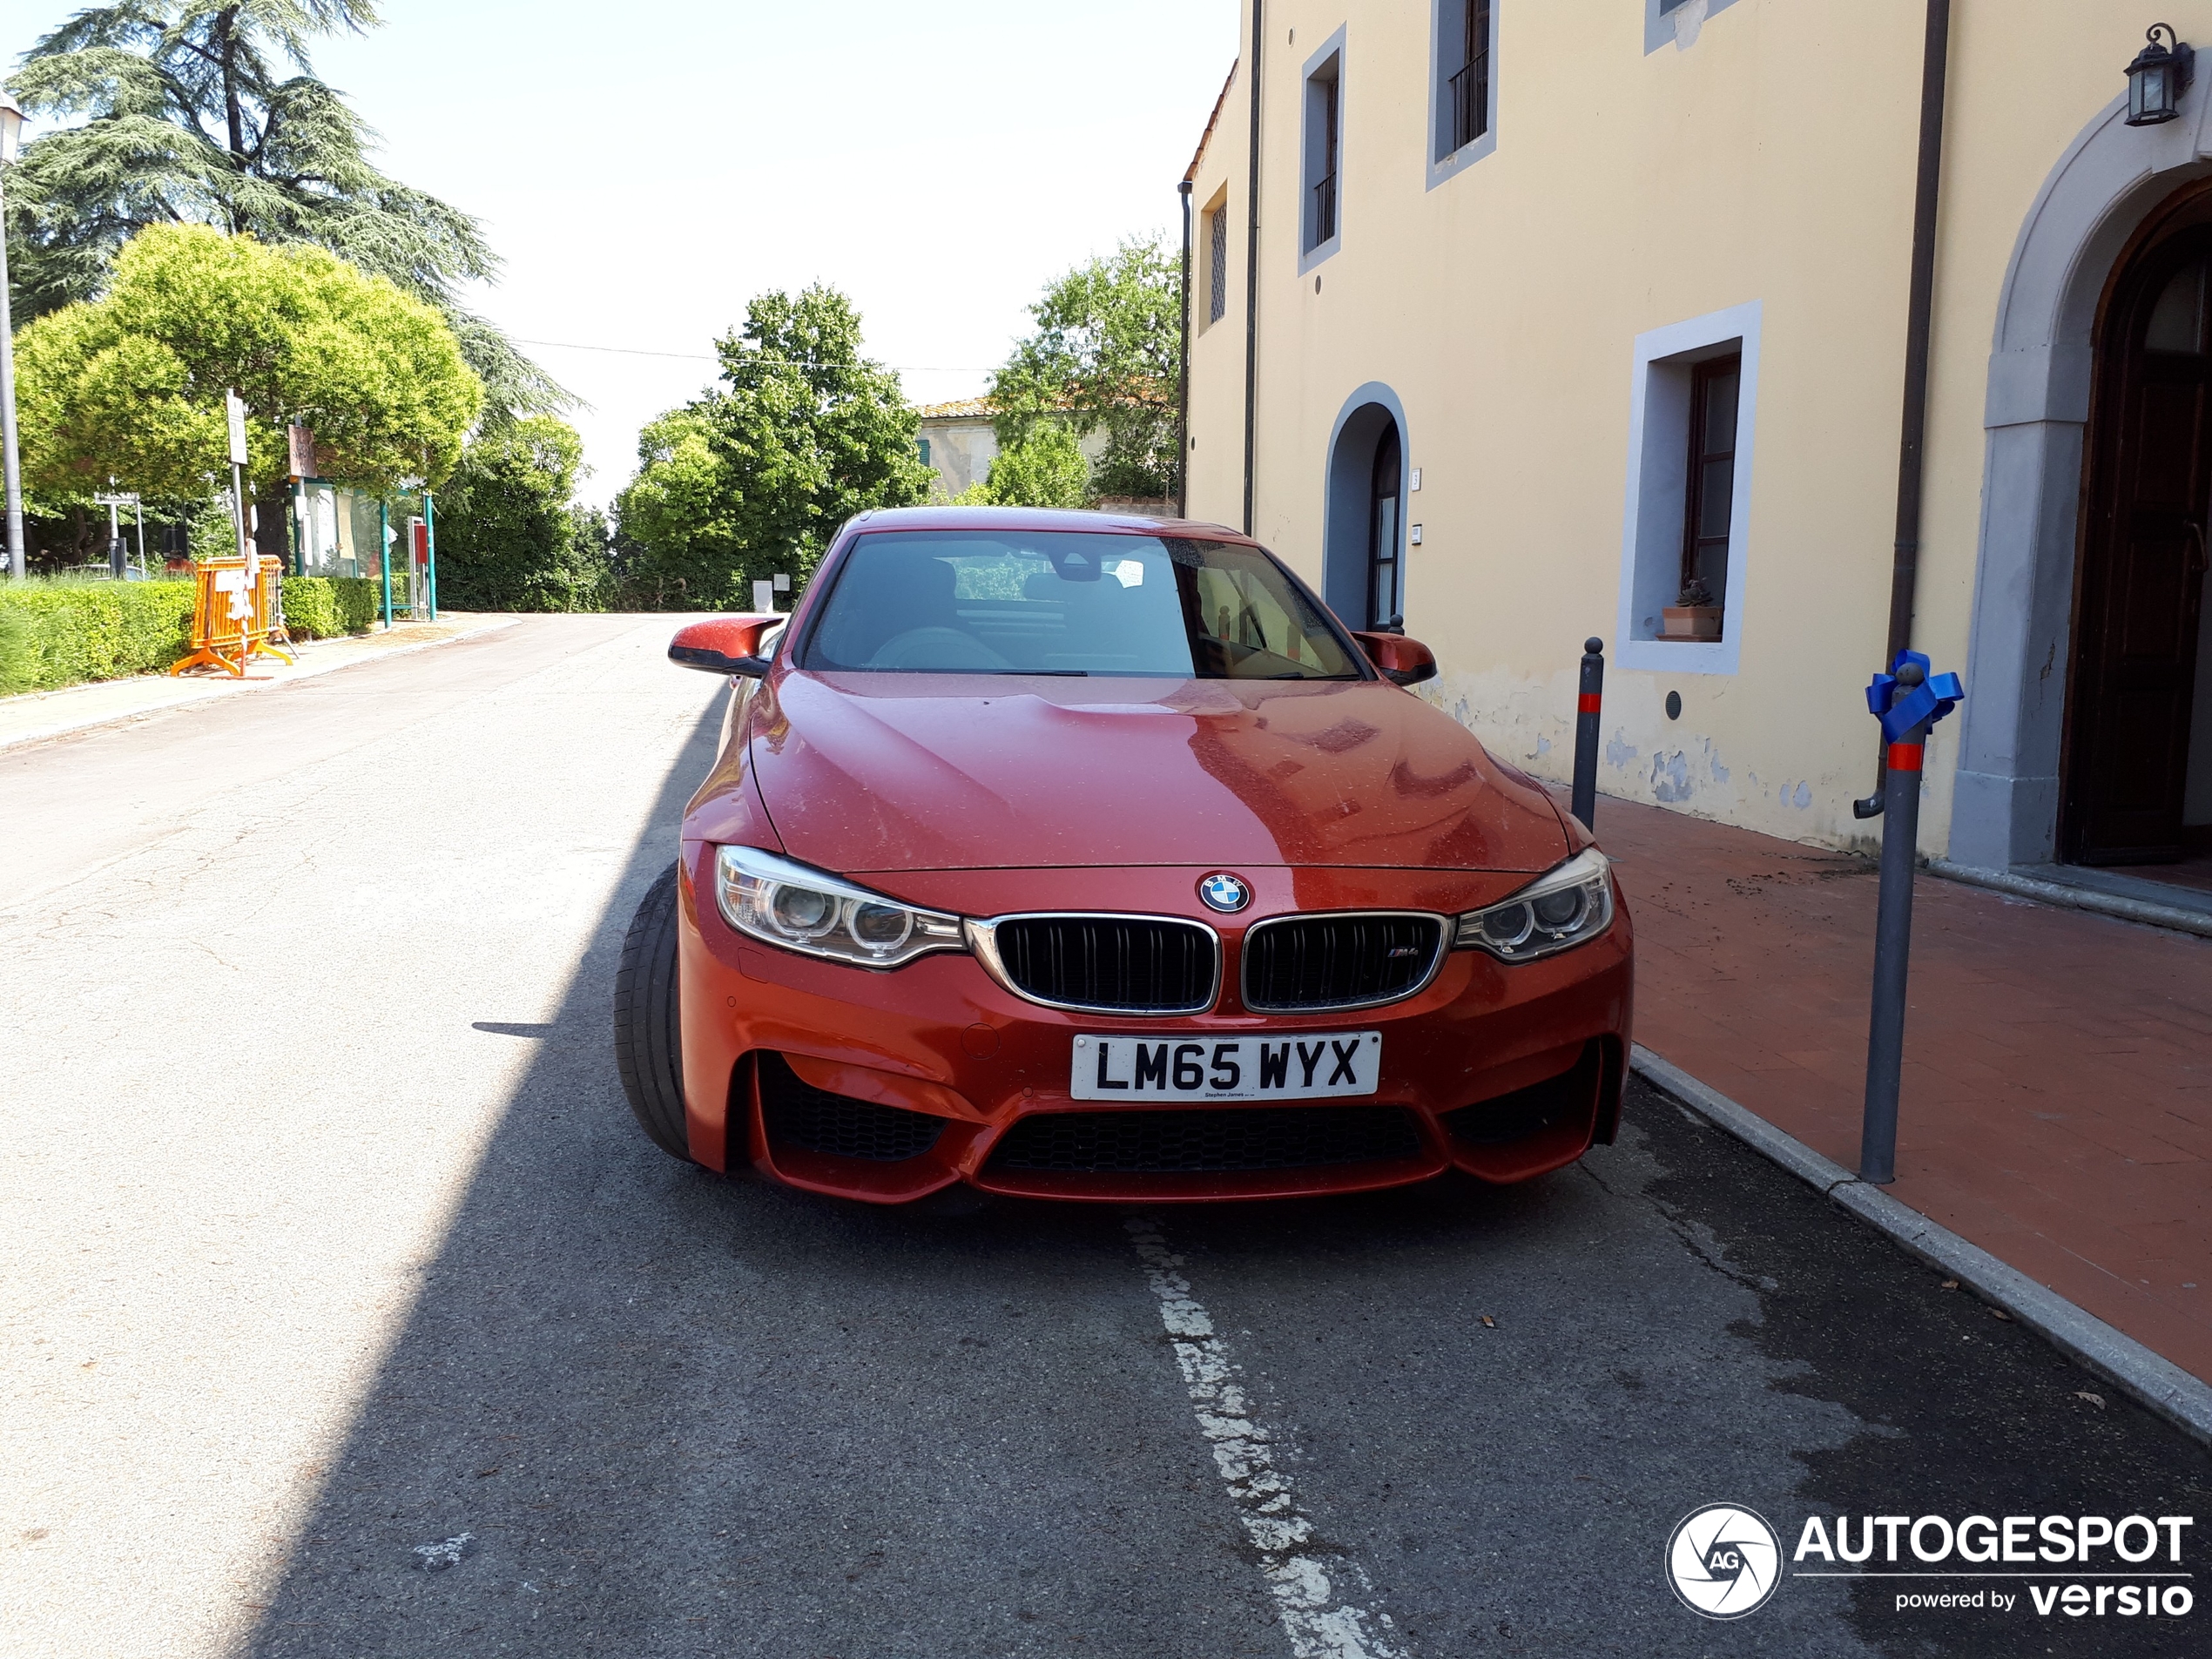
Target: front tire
(649,1032)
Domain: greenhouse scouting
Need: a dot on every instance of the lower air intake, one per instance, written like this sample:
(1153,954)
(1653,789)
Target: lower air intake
(1200,1141)
(798,1114)
(1531,1111)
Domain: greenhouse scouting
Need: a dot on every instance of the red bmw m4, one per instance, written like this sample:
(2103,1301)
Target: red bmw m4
(1082,857)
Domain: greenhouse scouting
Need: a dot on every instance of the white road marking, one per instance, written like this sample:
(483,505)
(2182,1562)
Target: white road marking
(1321,1623)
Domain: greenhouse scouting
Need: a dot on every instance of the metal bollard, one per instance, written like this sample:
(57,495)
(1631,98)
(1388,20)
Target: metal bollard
(1586,707)
(1908,702)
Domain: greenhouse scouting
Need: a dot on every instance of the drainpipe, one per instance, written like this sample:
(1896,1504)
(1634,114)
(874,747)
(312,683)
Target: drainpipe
(1183,373)
(1251,275)
(1905,571)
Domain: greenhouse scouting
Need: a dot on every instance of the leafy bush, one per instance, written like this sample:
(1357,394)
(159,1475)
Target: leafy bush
(92,630)
(323,607)
(1045,469)
(18,651)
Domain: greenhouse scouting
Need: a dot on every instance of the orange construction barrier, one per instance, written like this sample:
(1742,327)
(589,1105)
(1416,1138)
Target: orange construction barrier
(235,618)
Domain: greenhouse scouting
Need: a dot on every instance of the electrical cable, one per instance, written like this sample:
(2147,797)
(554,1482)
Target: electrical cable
(780,362)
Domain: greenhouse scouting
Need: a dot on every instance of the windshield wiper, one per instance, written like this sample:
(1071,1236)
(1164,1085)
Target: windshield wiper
(1057,673)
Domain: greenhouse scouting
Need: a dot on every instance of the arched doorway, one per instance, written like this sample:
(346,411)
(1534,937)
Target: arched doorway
(1364,518)
(2137,774)
(2086,228)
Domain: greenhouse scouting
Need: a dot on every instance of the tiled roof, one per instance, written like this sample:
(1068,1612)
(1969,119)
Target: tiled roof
(972,409)
(1212,121)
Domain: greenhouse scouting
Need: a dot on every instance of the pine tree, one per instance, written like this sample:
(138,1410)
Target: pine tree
(212,114)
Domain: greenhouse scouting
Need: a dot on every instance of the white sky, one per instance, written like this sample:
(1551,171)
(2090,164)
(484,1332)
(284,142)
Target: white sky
(645,168)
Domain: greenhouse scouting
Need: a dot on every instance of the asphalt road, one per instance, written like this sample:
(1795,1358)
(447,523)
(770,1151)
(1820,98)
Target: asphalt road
(346,1313)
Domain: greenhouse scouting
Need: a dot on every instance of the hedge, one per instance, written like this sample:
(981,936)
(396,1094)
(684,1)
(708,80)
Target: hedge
(56,634)
(322,607)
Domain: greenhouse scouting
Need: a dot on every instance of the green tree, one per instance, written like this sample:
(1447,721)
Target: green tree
(211,114)
(754,477)
(132,384)
(677,546)
(1107,351)
(510,537)
(1046,468)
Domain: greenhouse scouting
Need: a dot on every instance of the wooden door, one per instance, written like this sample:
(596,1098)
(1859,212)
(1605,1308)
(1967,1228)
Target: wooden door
(2143,560)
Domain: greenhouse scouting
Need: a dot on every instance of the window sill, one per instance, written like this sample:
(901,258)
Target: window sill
(1318,253)
(1461,158)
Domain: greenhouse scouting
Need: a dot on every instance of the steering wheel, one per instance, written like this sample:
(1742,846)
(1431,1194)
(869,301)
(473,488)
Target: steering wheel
(945,648)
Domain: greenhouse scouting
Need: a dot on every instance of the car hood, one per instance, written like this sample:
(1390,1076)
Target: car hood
(864,773)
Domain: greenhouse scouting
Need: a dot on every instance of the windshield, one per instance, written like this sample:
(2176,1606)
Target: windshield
(1070,602)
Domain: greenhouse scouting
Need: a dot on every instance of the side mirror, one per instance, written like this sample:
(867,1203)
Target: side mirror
(1403,661)
(724,644)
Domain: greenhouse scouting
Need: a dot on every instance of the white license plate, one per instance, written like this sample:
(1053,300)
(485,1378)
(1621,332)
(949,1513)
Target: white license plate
(1309,1066)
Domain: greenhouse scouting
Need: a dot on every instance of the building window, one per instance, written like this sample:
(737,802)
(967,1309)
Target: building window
(923,445)
(1708,493)
(1463,89)
(1216,257)
(1321,170)
(1694,396)
(1471,82)
(1321,212)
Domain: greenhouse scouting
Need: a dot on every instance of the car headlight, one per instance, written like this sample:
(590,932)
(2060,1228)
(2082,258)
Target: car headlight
(785,904)
(1569,907)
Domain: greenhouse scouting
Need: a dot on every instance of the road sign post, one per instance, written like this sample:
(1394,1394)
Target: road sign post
(384,553)
(1907,701)
(430,554)
(234,406)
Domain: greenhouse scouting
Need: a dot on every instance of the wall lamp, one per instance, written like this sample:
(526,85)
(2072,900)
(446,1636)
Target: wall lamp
(2158,78)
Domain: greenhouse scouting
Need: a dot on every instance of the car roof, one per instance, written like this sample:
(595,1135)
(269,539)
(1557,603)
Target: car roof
(1041,518)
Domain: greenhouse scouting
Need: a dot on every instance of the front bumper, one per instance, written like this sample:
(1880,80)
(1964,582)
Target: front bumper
(1503,1072)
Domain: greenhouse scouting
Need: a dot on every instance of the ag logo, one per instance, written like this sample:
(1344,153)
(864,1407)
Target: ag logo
(1724,1561)
(1225,893)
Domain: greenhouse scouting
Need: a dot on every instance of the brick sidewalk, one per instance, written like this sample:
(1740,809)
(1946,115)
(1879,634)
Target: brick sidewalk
(2058,1065)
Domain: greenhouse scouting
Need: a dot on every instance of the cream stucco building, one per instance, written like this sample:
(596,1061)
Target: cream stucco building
(1564,316)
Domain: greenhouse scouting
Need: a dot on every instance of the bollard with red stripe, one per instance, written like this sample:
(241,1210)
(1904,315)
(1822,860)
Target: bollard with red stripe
(1587,703)
(1908,701)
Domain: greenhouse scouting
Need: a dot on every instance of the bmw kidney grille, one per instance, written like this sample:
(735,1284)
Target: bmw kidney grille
(1110,964)
(1312,964)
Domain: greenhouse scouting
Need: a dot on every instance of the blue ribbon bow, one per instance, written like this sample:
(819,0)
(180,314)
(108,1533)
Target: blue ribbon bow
(1898,710)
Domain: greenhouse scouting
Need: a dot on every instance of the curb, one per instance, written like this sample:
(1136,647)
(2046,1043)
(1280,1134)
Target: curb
(2052,892)
(233,688)
(2149,1378)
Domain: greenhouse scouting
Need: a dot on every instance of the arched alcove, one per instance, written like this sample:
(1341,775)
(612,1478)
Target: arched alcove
(1371,420)
(2112,177)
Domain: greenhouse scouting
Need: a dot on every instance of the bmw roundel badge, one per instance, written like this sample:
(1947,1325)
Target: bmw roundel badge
(1225,892)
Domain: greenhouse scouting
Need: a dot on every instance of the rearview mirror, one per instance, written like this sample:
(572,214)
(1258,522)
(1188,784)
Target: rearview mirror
(1402,661)
(724,644)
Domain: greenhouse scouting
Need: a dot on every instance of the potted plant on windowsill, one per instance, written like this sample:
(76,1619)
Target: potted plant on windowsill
(1694,616)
